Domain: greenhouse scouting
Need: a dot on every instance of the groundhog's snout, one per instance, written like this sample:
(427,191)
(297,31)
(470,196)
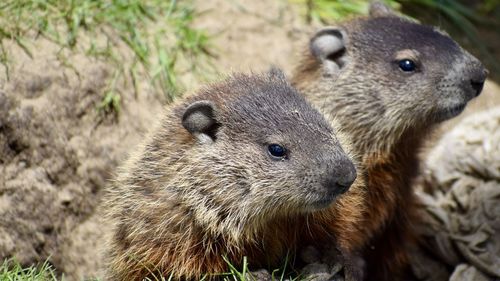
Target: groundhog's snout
(341,177)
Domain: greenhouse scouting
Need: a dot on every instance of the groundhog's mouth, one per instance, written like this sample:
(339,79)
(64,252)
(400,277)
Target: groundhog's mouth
(321,203)
(450,112)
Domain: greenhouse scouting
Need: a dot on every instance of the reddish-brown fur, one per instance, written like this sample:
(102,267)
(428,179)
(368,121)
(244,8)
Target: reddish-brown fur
(180,205)
(380,226)
(351,72)
(390,204)
(280,236)
(203,261)
(380,229)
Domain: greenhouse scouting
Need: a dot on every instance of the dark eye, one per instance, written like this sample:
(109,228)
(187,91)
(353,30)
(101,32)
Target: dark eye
(277,150)
(407,65)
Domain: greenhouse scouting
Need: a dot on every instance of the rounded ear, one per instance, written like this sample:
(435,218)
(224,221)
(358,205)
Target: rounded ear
(199,120)
(328,46)
(379,9)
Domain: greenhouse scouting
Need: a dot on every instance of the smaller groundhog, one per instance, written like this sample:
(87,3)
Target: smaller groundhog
(387,81)
(242,168)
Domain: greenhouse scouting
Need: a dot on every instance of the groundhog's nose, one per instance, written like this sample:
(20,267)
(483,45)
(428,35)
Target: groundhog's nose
(342,177)
(477,80)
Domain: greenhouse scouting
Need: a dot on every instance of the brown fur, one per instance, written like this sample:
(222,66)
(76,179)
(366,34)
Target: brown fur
(179,206)
(387,114)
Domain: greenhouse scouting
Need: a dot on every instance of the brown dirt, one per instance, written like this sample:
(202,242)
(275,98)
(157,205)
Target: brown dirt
(252,35)
(57,152)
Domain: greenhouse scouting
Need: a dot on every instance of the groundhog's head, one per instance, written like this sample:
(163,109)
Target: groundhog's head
(387,68)
(261,151)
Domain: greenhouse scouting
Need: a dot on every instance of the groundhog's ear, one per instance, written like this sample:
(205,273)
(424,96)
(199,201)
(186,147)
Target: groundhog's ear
(199,120)
(379,9)
(328,45)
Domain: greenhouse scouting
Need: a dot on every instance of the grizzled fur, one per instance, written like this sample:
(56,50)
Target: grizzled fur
(203,185)
(352,72)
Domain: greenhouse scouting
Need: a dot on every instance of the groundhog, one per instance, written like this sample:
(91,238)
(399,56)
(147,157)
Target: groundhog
(244,167)
(386,80)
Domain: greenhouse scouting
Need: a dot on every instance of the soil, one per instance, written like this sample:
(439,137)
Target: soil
(58,152)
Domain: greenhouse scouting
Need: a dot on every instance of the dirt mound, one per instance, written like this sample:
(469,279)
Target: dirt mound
(261,33)
(57,153)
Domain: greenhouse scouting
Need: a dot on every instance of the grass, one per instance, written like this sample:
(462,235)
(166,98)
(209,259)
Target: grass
(13,271)
(325,11)
(243,274)
(157,36)
(236,274)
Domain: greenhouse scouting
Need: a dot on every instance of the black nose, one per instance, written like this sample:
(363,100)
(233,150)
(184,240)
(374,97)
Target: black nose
(477,82)
(342,177)
(477,86)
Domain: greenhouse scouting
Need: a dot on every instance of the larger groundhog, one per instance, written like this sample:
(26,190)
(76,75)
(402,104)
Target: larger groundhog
(387,81)
(245,167)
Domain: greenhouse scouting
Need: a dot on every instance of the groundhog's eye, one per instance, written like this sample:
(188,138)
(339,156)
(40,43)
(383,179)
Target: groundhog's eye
(276,151)
(407,65)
